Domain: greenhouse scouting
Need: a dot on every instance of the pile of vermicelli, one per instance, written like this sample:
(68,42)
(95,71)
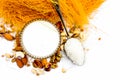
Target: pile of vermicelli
(19,12)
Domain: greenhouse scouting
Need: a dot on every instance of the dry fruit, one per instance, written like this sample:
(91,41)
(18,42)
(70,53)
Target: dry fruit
(25,60)
(8,36)
(19,62)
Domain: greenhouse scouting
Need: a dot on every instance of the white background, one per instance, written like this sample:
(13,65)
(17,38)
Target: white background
(102,61)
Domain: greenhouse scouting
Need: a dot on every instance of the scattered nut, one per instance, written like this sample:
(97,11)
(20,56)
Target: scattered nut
(72,29)
(18,48)
(99,38)
(34,71)
(2,29)
(19,62)
(44,62)
(37,71)
(54,65)
(37,63)
(47,67)
(64,70)
(25,60)
(58,59)
(28,64)
(2,55)
(21,54)
(13,60)
(7,55)
(75,35)
(63,34)
(8,36)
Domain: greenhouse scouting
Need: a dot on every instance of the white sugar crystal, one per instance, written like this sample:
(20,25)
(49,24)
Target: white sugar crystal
(74,51)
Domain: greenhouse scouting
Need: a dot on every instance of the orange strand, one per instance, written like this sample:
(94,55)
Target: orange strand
(75,12)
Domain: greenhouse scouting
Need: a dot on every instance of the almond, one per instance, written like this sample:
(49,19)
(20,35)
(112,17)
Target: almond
(19,62)
(8,36)
(25,60)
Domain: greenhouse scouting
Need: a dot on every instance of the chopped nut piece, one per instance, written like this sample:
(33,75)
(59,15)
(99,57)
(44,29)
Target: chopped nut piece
(8,36)
(44,62)
(75,35)
(52,59)
(72,29)
(18,48)
(64,70)
(13,60)
(47,67)
(7,55)
(21,54)
(28,64)
(58,59)
(37,63)
(37,71)
(33,71)
(62,47)
(54,65)
(99,38)
(25,60)
(63,40)
(63,34)
(2,55)
(2,29)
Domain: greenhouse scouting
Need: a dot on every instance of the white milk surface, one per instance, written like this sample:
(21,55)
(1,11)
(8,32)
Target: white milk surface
(40,38)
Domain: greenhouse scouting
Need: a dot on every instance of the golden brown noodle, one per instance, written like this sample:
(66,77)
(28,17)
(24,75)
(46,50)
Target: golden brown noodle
(19,12)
